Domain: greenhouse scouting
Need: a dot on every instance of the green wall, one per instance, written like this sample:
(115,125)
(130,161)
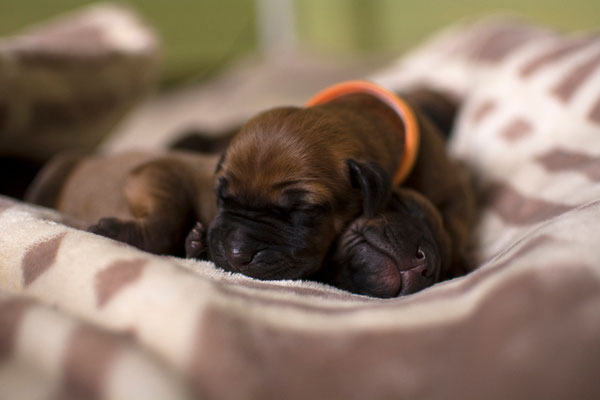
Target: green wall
(386,25)
(202,36)
(198,36)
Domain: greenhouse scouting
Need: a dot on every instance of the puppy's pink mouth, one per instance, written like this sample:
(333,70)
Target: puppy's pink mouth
(399,283)
(391,278)
(415,279)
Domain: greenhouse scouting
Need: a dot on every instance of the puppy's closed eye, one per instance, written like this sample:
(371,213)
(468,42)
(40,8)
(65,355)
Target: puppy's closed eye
(292,199)
(309,215)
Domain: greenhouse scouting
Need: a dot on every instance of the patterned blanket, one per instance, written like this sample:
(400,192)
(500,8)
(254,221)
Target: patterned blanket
(85,317)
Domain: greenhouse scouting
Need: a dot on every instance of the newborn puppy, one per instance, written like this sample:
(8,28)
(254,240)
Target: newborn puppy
(293,178)
(148,200)
(400,251)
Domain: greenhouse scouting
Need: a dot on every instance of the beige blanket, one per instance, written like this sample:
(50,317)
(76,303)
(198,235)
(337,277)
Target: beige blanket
(85,317)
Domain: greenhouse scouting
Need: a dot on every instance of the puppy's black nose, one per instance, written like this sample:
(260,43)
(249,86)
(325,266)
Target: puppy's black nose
(238,257)
(239,250)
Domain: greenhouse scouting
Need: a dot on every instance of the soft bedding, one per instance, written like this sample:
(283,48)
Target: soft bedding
(82,316)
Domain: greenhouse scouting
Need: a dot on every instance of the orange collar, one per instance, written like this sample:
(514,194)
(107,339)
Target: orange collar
(406,114)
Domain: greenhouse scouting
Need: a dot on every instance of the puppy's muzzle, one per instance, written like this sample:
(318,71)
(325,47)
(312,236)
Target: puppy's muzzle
(238,251)
(253,251)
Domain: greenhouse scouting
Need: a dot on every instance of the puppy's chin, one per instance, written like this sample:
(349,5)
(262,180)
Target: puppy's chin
(269,265)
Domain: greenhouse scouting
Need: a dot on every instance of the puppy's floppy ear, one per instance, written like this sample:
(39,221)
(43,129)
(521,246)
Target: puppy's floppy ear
(374,182)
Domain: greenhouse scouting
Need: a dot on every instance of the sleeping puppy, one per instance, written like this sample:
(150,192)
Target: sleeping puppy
(150,201)
(288,185)
(397,252)
(400,251)
(293,178)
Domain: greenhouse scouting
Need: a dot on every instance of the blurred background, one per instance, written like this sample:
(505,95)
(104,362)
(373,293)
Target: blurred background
(200,37)
(218,62)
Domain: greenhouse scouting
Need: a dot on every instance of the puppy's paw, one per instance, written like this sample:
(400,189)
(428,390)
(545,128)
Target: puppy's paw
(116,229)
(195,243)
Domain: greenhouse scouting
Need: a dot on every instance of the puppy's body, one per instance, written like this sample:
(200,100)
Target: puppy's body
(293,178)
(288,185)
(148,200)
(399,251)
(443,182)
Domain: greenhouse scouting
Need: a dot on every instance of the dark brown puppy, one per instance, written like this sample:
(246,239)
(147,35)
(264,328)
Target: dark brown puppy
(399,251)
(147,200)
(293,179)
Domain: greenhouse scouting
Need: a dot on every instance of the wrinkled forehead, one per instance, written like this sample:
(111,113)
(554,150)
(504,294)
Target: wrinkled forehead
(282,192)
(283,153)
(275,180)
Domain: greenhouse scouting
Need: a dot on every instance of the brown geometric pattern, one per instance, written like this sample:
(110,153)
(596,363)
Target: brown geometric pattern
(11,314)
(516,130)
(40,257)
(563,160)
(594,114)
(515,208)
(482,110)
(86,364)
(116,277)
(575,78)
(560,51)
(494,44)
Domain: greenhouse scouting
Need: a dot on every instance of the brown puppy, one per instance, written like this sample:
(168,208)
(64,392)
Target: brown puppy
(147,200)
(400,251)
(293,178)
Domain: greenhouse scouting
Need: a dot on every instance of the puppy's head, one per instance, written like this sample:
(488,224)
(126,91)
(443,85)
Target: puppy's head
(400,251)
(286,187)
